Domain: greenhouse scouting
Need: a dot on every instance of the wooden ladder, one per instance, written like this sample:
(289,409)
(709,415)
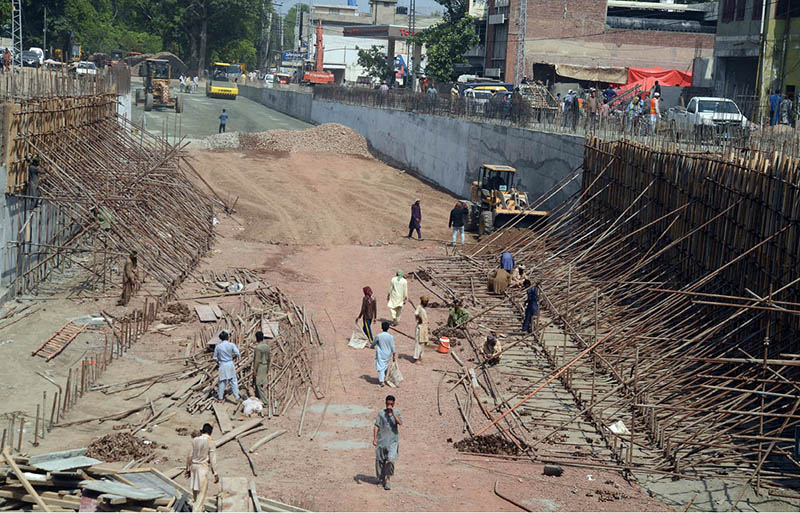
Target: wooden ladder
(60,339)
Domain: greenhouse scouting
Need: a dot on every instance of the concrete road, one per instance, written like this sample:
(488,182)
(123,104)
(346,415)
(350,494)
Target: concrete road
(200,116)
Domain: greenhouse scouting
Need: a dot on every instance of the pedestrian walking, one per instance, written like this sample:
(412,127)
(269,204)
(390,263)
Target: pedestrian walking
(787,110)
(129,278)
(223,121)
(416,218)
(385,438)
(421,331)
(775,107)
(224,354)
(397,296)
(385,352)
(368,313)
(202,457)
(261,361)
(457,221)
(531,306)
(195,82)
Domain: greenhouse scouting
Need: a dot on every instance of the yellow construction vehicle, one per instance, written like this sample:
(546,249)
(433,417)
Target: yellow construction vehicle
(496,201)
(222,81)
(156,91)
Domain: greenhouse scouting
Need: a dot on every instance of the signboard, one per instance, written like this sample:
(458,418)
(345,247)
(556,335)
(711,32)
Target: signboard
(294,56)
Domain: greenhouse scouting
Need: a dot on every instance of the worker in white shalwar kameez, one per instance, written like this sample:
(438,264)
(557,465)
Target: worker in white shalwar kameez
(397,296)
(385,352)
(224,354)
(198,461)
(421,332)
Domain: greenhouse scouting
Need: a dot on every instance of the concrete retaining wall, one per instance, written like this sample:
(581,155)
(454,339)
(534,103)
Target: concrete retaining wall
(446,151)
(295,104)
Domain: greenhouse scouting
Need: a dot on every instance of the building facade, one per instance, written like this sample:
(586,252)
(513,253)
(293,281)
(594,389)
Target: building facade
(597,34)
(757,48)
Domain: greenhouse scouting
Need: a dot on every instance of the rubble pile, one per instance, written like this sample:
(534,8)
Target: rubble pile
(120,446)
(180,314)
(488,444)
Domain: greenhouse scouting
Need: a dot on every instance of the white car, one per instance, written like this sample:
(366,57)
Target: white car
(708,117)
(39,52)
(269,80)
(83,68)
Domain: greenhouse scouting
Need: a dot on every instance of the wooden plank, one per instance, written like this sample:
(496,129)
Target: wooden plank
(234,494)
(21,477)
(205,313)
(217,310)
(254,497)
(223,419)
(247,426)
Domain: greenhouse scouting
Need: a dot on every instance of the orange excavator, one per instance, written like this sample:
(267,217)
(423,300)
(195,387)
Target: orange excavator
(318,75)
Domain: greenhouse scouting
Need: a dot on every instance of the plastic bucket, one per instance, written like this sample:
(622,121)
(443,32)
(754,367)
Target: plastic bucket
(444,345)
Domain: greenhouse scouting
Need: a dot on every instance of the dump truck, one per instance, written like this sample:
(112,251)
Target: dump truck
(222,81)
(156,92)
(495,201)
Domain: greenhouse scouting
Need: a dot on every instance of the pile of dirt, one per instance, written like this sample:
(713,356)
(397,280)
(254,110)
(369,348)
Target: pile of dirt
(326,138)
(488,444)
(181,314)
(119,447)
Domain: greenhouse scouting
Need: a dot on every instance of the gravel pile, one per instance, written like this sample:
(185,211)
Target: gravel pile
(491,444)
(119,447)
(226,141)
(327,138)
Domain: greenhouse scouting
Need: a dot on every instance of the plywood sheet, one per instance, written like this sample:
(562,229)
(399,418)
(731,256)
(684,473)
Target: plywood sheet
(205,313)
(234,494)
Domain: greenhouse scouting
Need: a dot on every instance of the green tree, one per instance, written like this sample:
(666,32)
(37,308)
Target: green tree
(446,43)
(374,61)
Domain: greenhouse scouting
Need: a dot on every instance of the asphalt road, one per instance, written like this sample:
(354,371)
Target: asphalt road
(200,116)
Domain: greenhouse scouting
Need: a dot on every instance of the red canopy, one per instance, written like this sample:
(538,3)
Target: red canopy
(665,77)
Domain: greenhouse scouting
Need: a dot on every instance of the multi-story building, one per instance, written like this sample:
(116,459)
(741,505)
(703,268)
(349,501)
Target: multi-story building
(593,40)
(757,48)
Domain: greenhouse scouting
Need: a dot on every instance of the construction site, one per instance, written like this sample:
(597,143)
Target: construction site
(660,374)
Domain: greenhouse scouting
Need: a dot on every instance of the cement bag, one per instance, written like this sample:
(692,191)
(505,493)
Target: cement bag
(395,377)
(252,405)
(358,340)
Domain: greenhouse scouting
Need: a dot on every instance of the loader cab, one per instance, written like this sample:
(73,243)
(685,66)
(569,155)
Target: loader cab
(497,178)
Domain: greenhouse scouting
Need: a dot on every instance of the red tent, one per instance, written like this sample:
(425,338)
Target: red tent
(665,77)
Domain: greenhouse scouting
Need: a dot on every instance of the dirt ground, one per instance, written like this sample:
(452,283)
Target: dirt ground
(321,227)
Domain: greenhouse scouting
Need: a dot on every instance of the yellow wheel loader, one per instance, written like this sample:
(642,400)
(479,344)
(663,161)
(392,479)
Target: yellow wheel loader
(496,201)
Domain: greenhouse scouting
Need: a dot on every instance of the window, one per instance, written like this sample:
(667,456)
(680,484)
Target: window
(499,42)
(692,106)
(758,6)
(784,5)
(728,8)
(740,8)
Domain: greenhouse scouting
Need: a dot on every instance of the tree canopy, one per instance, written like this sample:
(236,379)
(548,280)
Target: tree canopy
(194,30)
(448,41)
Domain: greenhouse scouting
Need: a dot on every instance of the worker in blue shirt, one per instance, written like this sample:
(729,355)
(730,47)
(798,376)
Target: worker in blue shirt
(507,261)
(223,120)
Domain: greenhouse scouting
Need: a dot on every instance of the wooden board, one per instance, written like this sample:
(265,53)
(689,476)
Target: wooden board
(270,329)
(217,310)
(234,494)
(223,418)
(205,313)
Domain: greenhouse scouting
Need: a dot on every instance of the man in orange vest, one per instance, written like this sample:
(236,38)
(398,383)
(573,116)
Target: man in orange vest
(655,111)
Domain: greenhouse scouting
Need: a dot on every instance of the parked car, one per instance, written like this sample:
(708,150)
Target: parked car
(83,68)
(30,59)
(39,52)
(707,118)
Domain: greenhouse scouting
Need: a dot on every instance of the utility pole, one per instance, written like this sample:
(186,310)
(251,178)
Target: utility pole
(412,29)
(44,31)
(522,29)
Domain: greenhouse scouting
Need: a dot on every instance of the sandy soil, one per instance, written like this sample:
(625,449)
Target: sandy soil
(321,228)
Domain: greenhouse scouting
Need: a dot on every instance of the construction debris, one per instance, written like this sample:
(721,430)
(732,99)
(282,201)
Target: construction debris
(180,314)
(488,444)
(121,446)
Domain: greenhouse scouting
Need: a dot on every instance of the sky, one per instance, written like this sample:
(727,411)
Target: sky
(423,6)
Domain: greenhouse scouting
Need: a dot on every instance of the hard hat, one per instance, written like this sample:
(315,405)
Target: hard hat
(657,94)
